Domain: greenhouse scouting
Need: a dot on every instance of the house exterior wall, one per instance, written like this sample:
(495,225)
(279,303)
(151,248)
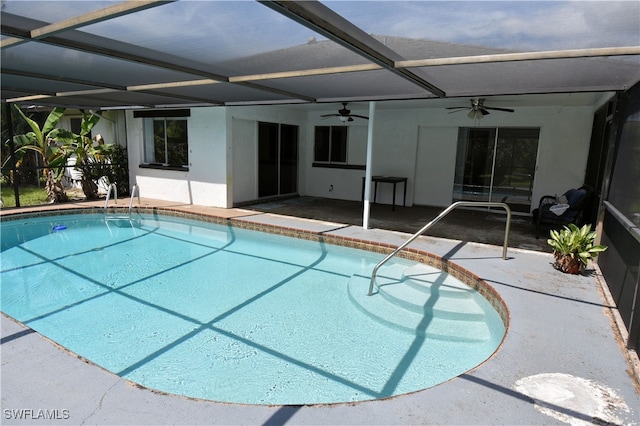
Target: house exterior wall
(243,142)
(244,159)
(223,157)
(435,165)
(419,144)
(337,183)
(109,126)
(205,183)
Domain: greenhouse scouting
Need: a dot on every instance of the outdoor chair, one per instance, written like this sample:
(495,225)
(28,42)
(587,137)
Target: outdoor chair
(556,211)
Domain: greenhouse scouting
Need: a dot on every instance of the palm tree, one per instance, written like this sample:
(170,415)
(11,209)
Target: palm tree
(49,142)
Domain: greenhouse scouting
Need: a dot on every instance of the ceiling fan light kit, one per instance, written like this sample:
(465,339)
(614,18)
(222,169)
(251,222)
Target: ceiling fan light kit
(477,109)
(344,114)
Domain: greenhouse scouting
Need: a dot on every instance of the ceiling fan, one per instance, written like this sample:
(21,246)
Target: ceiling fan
(477,108)
(344,114)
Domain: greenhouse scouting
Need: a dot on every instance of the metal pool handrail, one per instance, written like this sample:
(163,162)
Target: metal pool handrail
(134,190)
(434,221)
(115,195)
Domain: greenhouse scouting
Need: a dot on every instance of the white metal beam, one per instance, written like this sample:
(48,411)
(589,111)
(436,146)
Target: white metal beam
(120,9)
(104,14)
(524,56)
(305,73)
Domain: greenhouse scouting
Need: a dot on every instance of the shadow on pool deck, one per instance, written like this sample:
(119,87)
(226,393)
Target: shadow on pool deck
(476,225)
(560,325)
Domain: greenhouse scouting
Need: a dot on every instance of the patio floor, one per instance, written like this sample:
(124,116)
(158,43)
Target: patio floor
(561,362)
(479,225)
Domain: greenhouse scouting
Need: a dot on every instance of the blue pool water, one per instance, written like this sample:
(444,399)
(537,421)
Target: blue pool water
(227,314)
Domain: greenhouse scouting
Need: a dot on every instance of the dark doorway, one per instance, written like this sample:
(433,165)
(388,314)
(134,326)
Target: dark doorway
(277,159)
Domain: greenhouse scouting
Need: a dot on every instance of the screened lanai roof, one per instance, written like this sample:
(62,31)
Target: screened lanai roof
(106,54)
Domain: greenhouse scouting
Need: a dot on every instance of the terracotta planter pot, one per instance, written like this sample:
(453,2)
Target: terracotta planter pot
(568,264)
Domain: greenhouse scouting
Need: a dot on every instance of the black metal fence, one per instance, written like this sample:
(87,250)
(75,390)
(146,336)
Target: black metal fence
(26,185)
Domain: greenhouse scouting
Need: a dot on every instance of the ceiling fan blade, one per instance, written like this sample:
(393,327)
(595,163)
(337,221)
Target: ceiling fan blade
(330,115)
(501,109)
(457,107)
(483,111)
(359,116)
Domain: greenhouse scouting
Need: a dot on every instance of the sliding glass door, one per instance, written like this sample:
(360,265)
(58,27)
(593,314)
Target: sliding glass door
(277,159)
(496,164)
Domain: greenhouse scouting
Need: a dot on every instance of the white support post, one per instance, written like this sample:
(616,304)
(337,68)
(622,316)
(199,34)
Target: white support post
(367,178)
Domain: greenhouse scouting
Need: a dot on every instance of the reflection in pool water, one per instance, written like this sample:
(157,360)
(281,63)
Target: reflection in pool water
(227,314)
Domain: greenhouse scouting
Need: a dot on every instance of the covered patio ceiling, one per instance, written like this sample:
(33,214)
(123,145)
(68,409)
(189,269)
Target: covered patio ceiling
(155,54)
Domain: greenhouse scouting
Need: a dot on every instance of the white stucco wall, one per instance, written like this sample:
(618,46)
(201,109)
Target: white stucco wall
(337,183)
(564,149)
(109,126)
(563,145)
(205,182)
(244,159)
(435,165)
(394,151)
(419,144)
(243,139)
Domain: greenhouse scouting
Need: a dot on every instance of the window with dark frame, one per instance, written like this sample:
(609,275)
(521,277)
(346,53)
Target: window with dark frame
(330,144)
(166,142)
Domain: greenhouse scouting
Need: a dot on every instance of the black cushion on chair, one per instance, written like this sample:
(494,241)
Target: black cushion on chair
(574,199)
(575,195)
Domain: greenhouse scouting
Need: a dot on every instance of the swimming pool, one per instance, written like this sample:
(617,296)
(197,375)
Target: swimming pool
(220,313)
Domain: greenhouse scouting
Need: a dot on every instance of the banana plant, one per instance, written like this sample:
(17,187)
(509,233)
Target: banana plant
(92,157)
(50,143)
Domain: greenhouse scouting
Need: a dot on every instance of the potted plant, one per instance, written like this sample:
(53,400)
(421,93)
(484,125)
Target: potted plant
(573,247)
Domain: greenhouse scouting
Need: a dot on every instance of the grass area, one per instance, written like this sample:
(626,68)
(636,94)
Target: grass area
(32,196)
(29,196)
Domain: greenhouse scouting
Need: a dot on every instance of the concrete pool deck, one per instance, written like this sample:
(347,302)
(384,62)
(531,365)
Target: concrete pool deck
(562,360)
